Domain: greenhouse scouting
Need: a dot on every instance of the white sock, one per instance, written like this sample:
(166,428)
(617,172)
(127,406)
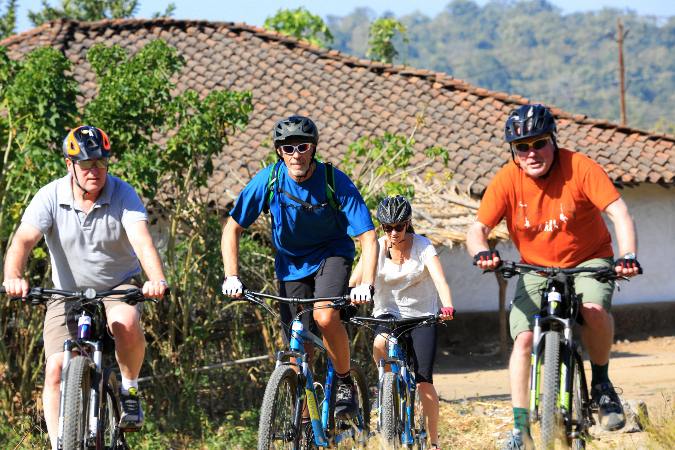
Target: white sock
(128,384)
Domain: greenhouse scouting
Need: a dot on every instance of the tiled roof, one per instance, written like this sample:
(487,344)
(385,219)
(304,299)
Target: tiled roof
(348,98)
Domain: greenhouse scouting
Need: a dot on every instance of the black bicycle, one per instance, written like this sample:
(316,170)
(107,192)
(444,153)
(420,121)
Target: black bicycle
(559,396)
(291,389)
(89,411)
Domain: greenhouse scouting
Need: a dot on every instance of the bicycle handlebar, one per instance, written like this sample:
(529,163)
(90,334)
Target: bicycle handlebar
(38,295)
(511,268)
(398,322)
(339,301)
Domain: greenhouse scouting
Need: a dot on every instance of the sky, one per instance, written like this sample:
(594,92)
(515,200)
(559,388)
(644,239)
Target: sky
(254,12)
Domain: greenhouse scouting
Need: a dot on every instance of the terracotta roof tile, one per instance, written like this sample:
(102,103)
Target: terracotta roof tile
(349,98)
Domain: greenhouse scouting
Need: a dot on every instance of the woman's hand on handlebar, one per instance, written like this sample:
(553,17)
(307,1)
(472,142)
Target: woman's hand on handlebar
(447,313)
(16,287)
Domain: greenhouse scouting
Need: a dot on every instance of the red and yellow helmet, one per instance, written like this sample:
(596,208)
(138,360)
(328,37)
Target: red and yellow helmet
(86,142)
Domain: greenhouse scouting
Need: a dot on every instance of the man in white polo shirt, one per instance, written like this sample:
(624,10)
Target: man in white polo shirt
(96,229)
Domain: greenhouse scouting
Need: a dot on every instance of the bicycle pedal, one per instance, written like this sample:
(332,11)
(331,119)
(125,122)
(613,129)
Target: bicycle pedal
(130,429)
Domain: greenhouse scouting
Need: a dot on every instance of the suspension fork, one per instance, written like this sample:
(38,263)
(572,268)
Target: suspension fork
(535,369)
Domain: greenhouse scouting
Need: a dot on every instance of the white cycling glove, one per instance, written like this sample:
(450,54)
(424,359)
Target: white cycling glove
(232,286)
(361,293)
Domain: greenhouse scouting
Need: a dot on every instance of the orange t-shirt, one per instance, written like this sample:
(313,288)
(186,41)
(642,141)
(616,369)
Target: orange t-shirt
(553,221)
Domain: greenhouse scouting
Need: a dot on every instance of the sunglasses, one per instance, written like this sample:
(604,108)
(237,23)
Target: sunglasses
(289,149)
(524,147)
(398,227)
(89,163)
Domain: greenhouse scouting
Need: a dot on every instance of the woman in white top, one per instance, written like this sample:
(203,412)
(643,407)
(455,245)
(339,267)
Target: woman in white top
(409,283)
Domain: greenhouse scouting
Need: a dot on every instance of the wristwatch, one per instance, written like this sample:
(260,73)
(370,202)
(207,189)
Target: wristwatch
(629,255)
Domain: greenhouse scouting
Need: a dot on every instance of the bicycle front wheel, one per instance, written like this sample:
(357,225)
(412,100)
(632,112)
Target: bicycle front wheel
(550,417)
(76,403)
(390,417)
(420,423)
(277,428)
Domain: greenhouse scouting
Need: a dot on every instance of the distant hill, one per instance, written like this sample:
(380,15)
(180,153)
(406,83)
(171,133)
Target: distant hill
(531,48)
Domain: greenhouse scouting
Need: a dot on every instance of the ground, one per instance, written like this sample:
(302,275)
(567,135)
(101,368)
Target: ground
(474,392)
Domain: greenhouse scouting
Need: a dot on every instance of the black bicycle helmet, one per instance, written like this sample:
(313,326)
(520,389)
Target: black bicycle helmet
(528,121)
(295,127)
(394,210)
(86,142)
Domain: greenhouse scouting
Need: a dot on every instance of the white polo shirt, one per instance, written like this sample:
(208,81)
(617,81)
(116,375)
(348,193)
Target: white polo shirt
(87,250)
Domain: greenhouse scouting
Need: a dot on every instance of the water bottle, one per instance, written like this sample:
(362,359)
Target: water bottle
(83,326)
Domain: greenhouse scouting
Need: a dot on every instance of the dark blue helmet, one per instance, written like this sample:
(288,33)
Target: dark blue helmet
(528,121)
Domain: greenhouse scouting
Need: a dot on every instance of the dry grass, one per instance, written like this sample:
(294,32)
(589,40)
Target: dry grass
(661,424)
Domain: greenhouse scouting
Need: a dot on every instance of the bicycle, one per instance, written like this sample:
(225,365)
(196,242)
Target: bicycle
(560,399)
(399,422)
(291,386)
(89,410)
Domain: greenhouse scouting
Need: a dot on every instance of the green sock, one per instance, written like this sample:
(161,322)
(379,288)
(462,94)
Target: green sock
(600,374)
(522,420)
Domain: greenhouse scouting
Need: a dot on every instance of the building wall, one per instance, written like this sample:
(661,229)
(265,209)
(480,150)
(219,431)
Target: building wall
(653,210)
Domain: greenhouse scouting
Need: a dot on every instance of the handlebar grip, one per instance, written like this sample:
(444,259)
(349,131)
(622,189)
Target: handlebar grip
(2,290)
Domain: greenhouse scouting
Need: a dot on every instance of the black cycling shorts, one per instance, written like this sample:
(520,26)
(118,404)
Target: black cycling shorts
(330,280)
(420,347)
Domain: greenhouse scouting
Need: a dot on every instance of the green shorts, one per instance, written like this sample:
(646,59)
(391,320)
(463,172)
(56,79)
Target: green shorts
(527,301)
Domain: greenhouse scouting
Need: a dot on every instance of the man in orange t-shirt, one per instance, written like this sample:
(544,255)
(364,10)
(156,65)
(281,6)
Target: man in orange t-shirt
(552,200)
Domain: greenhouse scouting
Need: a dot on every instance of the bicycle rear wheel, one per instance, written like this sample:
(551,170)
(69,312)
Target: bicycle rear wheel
(550,417)
(110,436)
(76,403)
(420,424)
(277,428)
(390,417)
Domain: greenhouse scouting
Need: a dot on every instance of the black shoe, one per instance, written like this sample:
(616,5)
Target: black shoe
(345,399)
(132,412)
(610,411)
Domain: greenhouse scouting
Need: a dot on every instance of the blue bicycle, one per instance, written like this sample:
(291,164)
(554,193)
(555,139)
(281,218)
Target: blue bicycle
(401,419)
(291,390)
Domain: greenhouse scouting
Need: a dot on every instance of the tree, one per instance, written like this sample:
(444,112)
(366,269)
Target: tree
(300,24)
(8,19)
(135,102)
(381,39)
(89,10)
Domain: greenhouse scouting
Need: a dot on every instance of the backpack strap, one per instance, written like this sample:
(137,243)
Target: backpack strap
(271,184)
(331,196)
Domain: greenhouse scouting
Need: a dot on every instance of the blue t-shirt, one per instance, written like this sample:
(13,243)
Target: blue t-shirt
(304,238)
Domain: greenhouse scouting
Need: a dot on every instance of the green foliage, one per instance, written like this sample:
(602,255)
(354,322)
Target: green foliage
(135,105)
(8,19)
(531,48)
(90,10)
(380,166)
(381,39)
(300,24)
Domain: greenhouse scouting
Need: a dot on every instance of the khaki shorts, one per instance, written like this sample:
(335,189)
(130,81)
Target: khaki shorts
(527,301)
(60,324)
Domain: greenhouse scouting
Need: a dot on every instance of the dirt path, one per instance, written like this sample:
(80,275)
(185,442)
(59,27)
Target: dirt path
(644,370)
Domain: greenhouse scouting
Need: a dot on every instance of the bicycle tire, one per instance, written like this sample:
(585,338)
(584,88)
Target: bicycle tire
(579,421)
(277,429)
(390,417)
(549,402)
(76,403)
(110,437)
(420,423)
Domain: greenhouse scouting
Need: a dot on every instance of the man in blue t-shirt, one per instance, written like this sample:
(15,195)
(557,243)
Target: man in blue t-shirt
(313,238)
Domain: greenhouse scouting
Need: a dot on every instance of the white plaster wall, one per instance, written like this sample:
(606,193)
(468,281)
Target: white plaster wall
(653,210)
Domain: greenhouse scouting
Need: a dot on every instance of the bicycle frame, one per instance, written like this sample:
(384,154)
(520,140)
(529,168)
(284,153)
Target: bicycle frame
(396,359)
(306,390)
